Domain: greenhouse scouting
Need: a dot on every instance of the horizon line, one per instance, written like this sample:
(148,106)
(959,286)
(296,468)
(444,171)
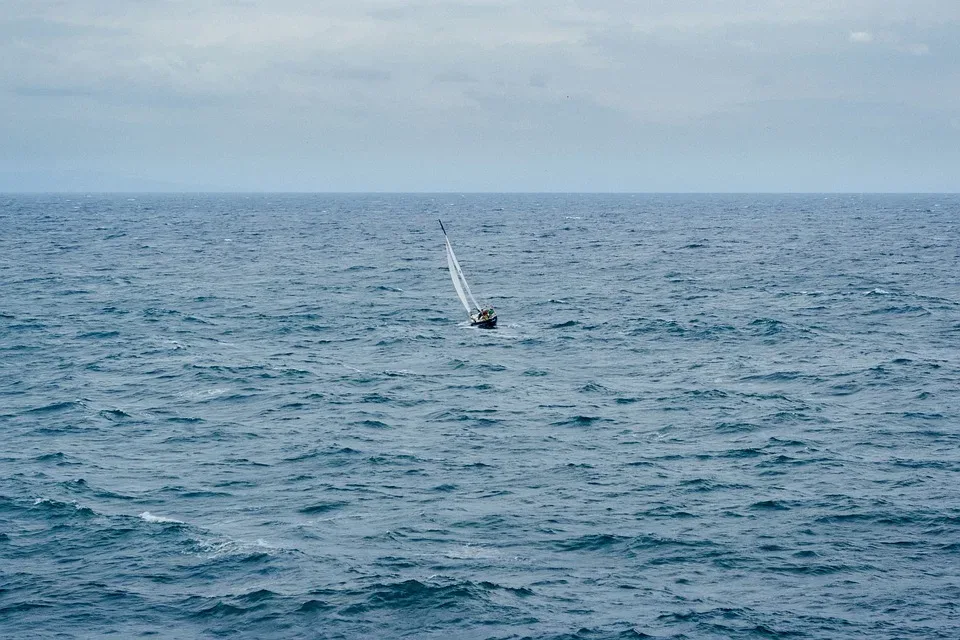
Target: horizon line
(453,192)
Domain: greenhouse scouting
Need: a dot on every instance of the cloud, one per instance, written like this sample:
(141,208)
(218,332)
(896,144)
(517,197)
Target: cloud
(528,75)
(454,76)
(747,45)
(891,40)
(918,49)
(362,74)
(60,91)
(538,80)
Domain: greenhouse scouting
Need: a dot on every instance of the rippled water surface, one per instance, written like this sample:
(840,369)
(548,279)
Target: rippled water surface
(266,416)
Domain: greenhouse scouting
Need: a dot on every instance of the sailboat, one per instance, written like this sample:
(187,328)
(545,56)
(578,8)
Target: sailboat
(479,317)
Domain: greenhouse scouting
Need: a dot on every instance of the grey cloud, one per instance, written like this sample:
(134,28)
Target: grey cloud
(538,80)
(42,29)
(362,74)
(599,92)
(454,77)
(43,91)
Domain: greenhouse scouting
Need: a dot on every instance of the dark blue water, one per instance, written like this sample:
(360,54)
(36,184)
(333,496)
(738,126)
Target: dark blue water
(266,416)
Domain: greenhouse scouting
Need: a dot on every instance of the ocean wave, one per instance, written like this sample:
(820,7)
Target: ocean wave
(146,516)
(323,507)
(428,595)
(58,406)
(269,438)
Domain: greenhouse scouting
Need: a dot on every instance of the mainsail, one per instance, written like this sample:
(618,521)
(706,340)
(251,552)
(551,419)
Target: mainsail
(456,274)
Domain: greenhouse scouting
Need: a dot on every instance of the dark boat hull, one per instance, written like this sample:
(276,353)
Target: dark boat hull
(489,323)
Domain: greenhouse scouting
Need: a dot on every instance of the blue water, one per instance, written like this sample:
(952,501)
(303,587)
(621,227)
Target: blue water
(266,416)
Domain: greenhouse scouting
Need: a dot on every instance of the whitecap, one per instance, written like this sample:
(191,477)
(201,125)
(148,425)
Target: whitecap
(221,547)
(470,552)
(204,393)
(50,501)
(149,517)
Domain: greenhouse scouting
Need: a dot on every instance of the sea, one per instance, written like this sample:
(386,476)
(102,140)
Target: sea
(267,416)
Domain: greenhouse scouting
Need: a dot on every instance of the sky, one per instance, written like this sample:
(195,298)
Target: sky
(480,95)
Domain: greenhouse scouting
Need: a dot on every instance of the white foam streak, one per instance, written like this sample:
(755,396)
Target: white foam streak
(146,516)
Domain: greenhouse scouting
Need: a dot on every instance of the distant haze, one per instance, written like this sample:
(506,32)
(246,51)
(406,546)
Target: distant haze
(480,95)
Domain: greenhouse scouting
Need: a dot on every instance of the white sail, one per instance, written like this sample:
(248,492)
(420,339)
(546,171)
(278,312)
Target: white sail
(455,275)
(459,281)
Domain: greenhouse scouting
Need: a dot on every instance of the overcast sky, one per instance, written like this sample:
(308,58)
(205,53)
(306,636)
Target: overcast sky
(480,95)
